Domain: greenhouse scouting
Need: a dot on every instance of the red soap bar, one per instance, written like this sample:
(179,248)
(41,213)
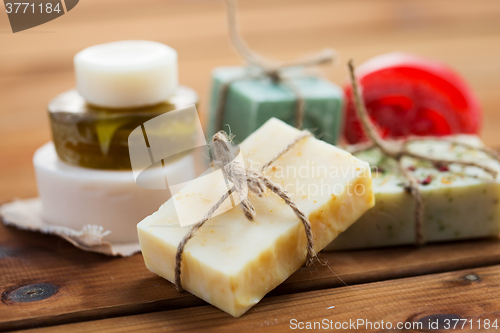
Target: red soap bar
(410,95)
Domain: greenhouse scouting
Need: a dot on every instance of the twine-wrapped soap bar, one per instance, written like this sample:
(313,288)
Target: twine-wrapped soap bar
(231,261)
(245,97)
(427,189)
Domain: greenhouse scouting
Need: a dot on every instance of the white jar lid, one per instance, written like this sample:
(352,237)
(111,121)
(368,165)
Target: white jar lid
(126,74)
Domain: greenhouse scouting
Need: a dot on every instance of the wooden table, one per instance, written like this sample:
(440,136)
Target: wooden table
(49,285)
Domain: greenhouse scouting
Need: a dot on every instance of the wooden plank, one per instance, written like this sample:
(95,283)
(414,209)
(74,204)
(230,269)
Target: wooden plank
(464,34)
(470,295)
(376,23)
(37,64)
(93,286)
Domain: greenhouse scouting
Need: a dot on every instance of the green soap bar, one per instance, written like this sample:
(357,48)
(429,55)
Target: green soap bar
(459,202)
(251,102)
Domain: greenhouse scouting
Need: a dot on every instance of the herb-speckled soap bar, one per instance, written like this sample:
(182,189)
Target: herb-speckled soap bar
(232,262)
(460,202)
(251,102)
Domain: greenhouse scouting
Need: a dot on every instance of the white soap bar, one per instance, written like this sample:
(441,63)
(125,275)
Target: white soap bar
(460,203)
(126,74)
(232,262)
(73,196)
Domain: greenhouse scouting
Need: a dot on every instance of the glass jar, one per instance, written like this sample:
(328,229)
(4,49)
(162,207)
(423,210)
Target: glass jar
(94,137)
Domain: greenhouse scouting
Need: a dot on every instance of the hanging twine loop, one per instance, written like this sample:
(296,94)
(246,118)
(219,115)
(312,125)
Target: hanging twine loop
(244,181)
(260,67)
(398,149)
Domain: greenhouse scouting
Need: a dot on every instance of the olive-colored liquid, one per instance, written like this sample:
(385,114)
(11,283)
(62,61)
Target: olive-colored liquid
(93,137)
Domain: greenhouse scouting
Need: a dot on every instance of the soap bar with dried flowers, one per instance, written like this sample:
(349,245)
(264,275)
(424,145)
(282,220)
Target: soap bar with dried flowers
(460,202)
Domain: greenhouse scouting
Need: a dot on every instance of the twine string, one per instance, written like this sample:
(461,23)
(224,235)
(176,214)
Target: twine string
(265,68)
(398,149)
(238,174)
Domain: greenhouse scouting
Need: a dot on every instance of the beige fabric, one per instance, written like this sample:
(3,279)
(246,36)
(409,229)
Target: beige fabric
(26,214)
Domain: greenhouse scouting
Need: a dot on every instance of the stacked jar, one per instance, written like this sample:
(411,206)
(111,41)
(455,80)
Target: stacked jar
(85,175)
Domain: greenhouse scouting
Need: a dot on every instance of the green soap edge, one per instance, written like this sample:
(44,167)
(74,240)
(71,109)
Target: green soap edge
(248,90)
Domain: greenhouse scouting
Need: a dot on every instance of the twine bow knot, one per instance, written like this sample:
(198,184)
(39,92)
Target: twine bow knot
(237,173)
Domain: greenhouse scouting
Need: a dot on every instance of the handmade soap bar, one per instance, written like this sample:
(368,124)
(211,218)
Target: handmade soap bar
(92,137)
(232,262)
(459,202)
(251,102)
(74,197)
(126,74)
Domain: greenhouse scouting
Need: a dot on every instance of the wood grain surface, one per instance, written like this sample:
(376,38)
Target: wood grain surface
(36,65)
(90,286)
(44,281)
(468,294)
